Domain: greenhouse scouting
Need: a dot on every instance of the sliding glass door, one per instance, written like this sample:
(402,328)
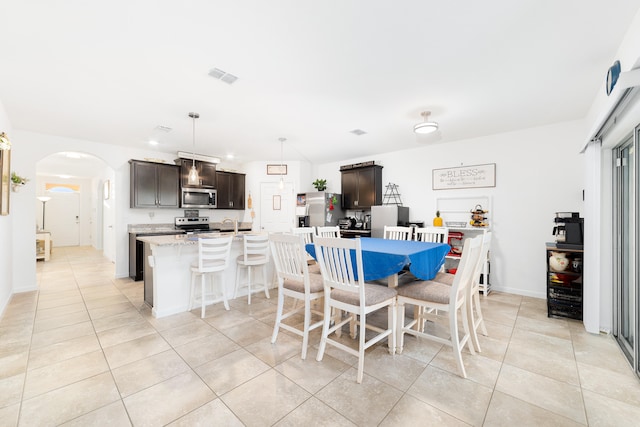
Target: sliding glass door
(626,301)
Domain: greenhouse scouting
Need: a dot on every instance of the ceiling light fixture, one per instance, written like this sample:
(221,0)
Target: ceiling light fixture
(427,126)
(194,178)
(281,184)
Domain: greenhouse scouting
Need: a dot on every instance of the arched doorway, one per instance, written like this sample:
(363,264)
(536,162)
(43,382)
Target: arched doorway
(74,201)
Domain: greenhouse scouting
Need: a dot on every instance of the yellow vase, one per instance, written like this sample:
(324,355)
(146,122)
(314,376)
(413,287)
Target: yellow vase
(437,221)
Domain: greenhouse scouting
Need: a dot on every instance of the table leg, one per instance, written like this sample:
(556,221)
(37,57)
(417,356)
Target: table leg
(392,281)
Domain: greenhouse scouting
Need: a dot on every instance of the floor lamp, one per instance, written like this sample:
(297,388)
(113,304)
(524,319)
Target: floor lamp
(44,200)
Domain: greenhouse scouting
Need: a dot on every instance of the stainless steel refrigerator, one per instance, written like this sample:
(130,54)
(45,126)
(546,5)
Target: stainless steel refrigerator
(324,208)
(387,215)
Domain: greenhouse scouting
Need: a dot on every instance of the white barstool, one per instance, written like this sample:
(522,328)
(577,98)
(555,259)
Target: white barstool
(256,254)
(213,259)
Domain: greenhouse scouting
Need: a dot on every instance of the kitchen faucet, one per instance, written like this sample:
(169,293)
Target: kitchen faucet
(227,220)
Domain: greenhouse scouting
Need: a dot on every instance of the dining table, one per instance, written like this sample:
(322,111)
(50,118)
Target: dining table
(385,258)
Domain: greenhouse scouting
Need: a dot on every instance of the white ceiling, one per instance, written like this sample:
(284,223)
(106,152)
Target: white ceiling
(309,71)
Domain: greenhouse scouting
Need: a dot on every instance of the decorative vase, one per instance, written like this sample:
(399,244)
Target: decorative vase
(15,187)
(558,261)
(437,221)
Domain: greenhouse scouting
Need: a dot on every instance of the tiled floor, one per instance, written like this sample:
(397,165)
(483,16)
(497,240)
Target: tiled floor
(85,350)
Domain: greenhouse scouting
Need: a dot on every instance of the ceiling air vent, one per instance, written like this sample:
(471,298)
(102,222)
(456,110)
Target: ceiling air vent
(165,129)
(222,75)
(357,132)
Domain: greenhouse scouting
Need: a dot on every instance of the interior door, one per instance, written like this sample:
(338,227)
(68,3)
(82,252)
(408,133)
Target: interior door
(277,207)
(62,218)
(626,220)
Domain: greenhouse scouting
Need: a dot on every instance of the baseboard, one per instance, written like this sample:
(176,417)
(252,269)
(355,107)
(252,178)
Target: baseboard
(25,289)
(4,304)
(516,291)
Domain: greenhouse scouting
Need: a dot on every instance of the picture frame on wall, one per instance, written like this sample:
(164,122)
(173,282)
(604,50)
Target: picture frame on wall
(276,169)
(5,181)
(473,176)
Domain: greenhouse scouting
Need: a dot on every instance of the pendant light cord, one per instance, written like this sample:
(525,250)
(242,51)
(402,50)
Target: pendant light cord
(193,153)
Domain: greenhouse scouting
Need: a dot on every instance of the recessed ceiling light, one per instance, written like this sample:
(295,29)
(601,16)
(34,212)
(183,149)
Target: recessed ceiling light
(221,75)
(357,132)
(230,156)
(73,155)
(153,142)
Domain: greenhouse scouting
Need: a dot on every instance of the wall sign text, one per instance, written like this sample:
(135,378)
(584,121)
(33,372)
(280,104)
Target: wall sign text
(475,176)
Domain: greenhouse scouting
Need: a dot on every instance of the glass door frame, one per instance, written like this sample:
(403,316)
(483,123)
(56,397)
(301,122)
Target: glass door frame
(632,352)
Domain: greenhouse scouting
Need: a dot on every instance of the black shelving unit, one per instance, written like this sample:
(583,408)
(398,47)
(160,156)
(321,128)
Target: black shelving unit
(564,288)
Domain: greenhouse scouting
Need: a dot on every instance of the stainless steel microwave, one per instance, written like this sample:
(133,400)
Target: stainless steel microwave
(202,198)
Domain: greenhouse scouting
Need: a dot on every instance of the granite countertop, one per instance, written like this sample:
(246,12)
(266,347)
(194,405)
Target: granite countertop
(190,239)
(170,228)
(151,228)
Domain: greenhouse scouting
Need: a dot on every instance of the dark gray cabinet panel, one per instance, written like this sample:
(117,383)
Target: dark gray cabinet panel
(206,172)
(230,188)
(362,187)
(154,185)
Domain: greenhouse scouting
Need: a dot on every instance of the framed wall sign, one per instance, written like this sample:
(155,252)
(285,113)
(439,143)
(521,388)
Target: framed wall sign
(276,169)
(476,176)
(5,181)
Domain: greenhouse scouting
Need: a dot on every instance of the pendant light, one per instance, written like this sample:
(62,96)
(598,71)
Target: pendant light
(426,127)
(194,178)
(281,184)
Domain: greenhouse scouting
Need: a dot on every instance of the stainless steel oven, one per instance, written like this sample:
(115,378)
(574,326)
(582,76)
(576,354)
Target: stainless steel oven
(202,198)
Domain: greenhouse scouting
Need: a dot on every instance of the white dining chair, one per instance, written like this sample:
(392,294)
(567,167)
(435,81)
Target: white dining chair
(475,317)
(345,290)
(255,255)
(306,232)
(397,233)
(431,234)
(295,281)
(213,259)
(435,298)
(332,231)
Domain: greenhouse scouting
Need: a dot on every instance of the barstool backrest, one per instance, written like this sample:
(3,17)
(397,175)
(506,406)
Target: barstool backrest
(256,249)
(213,253)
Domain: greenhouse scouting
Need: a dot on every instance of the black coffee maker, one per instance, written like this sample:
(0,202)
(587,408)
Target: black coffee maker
(569,230)
(303,221)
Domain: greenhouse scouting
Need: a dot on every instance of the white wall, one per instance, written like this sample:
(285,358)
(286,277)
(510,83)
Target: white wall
(538,172)
(6,245)
(298,175)
(628,54)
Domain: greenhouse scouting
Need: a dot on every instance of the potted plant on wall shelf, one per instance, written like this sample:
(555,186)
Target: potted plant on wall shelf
(17,181)
(320,184)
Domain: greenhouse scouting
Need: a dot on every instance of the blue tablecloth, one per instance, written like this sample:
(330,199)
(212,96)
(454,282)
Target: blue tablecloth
(383,257)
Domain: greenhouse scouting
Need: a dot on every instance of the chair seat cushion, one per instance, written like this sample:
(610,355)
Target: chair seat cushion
(316,284)
(314,268)
(252,259)
(208,265)
(446,278)
(426,290)
(373,294)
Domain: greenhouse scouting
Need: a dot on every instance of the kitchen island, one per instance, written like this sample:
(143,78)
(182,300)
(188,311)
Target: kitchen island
(167,274)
